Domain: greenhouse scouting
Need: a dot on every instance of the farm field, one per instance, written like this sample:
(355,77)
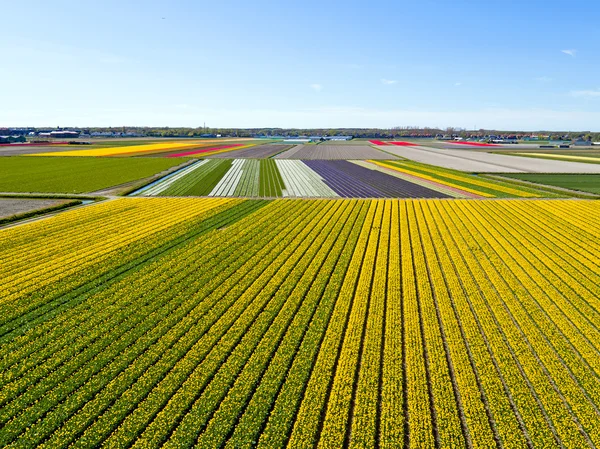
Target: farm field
(460,181)
(177,148)
(589,157)
(20,207)
(255,152)
(584,183)
(74,175)
(476,161)
(220,322)
(330,179)
(285,178)
(334,151)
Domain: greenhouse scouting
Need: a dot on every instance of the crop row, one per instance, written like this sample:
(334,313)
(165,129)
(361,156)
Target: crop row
(289,178)
(469,183)
(351,323)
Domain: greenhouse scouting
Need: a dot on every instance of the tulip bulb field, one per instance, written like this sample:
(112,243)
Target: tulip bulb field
(240,302)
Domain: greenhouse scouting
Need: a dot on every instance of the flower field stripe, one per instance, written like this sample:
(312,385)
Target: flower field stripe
(131,149)
(401,143)
(473,144)
(581,268)
(578,346)
(555,366)
(473,404)
(565,421)
(450,429)
(162,186)
(366,409)
(200,181)
(388,186)
(228,183)
(204,183)
(301,181)
(250,182)
(549,404)
(569,157)
(206,150)
(253,301)
(378,142)
(7,427)
(271,182)
(416,180)
(500,406)
(109,390)
(127,400)
(281,419)
(580,221)
(298,309)
(16,285)
(471,180)
(56,347)
(432,178)
(225,150)
(573,288)
(344,185)
(539,427)
(391,400)
(280,389)
(307,427)
(561,230)
(45,380)
(420,410)
(136,418)
(341,403)
(67,294)
(224,322)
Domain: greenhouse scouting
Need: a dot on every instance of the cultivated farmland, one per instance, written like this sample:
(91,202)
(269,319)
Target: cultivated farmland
(74,174)
(153,148)
(254,152)
(583,183)
(482,162)
(329,179)
(332,151)
(286,178)
(222,322)
(11,208)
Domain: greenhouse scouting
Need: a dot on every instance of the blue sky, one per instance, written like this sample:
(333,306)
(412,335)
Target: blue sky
(494,64)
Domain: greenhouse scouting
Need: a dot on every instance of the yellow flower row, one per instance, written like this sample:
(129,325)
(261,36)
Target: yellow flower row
(326,323)
(432,178)
(469,179)
(133,219)
(138,149)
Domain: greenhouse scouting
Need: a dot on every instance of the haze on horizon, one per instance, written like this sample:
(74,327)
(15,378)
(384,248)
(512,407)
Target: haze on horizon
(497,65)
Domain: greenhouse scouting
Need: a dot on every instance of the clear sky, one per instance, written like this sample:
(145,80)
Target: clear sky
(506,64)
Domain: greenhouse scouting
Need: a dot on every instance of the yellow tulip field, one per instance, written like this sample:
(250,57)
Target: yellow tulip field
(221,322)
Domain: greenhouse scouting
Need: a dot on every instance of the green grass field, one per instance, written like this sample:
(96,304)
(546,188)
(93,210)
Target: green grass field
(583,183)
(75,174)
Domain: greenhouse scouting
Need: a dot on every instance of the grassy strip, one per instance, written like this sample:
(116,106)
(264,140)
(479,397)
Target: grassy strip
(561,184)
(35,213)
